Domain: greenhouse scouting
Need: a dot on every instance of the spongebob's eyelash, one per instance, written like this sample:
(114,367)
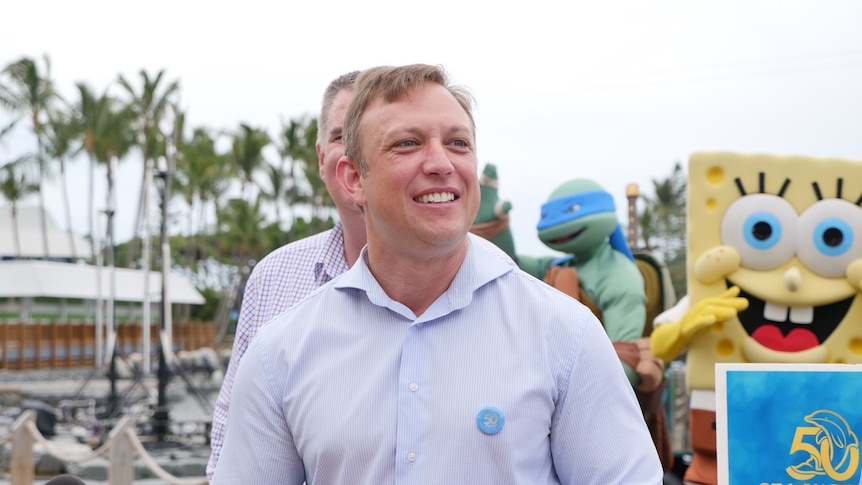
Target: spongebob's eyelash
(761,180)
(838,191)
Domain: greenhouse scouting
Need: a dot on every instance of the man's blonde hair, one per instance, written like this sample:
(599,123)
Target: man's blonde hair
(391,84)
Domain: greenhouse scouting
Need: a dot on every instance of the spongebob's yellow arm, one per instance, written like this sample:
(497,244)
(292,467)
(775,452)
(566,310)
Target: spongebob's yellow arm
(669,339)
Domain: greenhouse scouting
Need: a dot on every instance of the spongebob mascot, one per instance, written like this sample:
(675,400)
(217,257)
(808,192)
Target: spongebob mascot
(774,275)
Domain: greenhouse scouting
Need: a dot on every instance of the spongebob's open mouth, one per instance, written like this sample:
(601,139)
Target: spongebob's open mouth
(790,328)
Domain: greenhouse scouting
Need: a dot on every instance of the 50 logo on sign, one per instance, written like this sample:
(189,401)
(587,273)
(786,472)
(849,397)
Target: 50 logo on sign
(829,448)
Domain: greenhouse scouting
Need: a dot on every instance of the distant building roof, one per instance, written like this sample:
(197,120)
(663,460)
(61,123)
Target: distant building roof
(23,278)
(30,237)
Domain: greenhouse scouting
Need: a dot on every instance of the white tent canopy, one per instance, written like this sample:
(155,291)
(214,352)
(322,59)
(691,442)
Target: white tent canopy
(67,280)
(28,225)
(26,273)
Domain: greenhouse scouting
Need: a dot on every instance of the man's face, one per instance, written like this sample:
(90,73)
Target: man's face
(421,192)
(331,149)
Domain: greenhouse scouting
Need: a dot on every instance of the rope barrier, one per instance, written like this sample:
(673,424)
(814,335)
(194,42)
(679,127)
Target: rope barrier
(53,448)
(125,432)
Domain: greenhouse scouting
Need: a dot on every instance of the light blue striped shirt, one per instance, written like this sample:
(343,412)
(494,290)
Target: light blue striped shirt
(349,387)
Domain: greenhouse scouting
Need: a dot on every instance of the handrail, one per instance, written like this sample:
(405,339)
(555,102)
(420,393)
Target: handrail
(121,447)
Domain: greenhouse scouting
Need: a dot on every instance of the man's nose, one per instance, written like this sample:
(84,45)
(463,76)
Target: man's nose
(437,159)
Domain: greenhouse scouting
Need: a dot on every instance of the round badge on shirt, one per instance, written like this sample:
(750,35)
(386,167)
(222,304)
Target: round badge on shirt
(490,420)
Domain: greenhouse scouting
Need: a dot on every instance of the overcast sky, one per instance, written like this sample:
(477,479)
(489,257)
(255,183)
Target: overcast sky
(614,91)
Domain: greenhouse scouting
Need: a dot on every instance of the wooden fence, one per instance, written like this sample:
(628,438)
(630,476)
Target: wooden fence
(53,345)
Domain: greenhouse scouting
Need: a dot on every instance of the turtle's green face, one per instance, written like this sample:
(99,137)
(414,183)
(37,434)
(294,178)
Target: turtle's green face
(578,218)
(579,235)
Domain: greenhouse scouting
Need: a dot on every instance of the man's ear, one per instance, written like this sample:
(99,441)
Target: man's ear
(351,180)
(319,158)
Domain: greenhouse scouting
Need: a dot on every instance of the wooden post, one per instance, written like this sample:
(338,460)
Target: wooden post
(121,469)
(632,194)
(67,342)
(37,344)
(23,467)
(4,350)
(52,333)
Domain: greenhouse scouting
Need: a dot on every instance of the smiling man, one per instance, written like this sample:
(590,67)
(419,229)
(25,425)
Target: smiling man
(431,360)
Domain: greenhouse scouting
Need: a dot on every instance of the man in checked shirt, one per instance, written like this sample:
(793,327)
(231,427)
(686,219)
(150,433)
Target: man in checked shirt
(292,271)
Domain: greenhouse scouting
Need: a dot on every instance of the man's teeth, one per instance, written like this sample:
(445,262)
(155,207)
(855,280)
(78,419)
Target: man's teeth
(436,197)
(798,314)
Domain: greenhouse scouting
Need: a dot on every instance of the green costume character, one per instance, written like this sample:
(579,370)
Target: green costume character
(492,220)
(580,220)
(598,269)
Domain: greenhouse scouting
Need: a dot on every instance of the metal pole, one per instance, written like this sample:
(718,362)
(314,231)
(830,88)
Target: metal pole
(145,312)
(161,417)
(100,302)
(112,287)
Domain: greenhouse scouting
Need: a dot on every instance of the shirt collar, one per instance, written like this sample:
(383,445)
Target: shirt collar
(479,268)
(330,260)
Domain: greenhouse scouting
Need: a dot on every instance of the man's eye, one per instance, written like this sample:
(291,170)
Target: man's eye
(460,143)
(407,143)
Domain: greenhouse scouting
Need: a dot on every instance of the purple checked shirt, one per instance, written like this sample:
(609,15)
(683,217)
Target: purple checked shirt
(281,279)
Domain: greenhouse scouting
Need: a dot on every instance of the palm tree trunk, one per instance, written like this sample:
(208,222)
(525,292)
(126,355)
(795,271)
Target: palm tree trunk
(90,208)
(65,189)
(16,237)
(43,216)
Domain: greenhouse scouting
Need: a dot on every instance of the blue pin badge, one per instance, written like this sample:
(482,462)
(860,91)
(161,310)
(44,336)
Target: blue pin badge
(490,420)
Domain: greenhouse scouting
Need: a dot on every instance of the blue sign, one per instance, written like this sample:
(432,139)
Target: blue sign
(788,424)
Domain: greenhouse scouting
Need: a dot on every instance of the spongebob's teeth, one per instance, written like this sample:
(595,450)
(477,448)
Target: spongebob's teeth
(776,313)
(801,314)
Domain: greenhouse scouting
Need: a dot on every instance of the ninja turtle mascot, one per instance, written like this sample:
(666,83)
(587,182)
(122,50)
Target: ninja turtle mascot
(598,269)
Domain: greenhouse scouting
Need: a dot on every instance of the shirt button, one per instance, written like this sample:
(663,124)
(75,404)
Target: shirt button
(411,457)
(414,386)
(419,324)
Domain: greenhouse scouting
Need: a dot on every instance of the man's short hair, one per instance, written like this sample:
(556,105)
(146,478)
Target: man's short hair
(344,81)
(392,83)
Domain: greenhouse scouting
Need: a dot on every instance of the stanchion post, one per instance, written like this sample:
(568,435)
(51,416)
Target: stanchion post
(23,467)
(121,469)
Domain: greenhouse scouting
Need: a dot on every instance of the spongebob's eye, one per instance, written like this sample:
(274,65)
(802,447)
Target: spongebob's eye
(762,228)
(827,240)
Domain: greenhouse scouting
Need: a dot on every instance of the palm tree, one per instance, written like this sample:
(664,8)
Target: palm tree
(15,185)
(239,230)
(149,105)
(59,138)
(296,146)
(28,89)
(247,153)
(111,143)
(277,180)
(92,118)
(202,174)
(668,205)
(663,219)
